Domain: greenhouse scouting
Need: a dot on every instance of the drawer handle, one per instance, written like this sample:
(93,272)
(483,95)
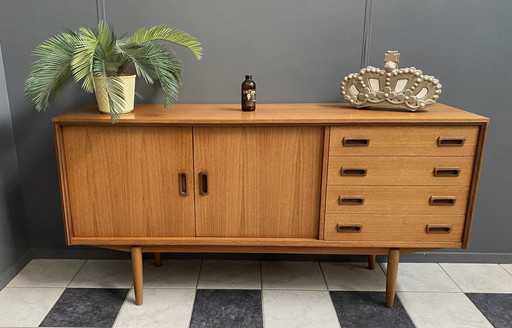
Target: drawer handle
(182,183)
(356,142)
(351,200)
(349,228)
(203,183)
(353,171)
(442,200)
(446,172)
(450,141)
(439,228)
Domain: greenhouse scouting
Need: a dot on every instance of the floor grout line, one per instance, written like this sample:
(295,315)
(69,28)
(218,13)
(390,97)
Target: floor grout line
(199,273)
(323,276)
(261,294)
(329,293)
(76,273)
(502,266)
(456,284)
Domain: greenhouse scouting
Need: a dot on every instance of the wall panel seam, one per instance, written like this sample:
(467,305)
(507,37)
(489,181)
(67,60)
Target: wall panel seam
(101,11)
(367,33)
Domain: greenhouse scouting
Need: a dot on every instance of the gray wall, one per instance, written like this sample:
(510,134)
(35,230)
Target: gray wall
(297,51)
(24,25)
(14,241)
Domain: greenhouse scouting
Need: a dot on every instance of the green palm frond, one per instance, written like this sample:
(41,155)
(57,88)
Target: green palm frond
(166,33)
(105,67)
(114,89)
(81,64)
(137,54)
(50,71)
(99,52)
(167,68)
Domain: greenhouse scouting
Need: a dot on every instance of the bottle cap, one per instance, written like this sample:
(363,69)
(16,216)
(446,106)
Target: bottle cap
(247,77)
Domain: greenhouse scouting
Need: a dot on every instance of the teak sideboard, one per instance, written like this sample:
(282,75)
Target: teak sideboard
(287,178)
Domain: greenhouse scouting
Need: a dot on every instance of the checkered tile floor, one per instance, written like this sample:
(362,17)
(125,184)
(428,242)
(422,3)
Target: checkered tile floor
(212,293)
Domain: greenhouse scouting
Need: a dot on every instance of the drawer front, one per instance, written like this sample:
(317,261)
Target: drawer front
(384,199)
(394,228)
(392,171)
(404,140)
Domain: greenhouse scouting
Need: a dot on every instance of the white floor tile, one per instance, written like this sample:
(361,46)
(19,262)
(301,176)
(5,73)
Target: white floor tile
(104,274)
(292,275)
(353,276)
(290,308)
(423,277)
(47,273)
(172,274)
(507,267)
(26,307)
(163,307)
(479,278)
(229,275)
(440,310)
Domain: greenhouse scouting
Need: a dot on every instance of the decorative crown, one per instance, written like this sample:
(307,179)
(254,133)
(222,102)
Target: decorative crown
(390,87)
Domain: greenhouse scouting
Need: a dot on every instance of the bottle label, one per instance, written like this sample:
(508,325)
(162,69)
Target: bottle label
(249,98)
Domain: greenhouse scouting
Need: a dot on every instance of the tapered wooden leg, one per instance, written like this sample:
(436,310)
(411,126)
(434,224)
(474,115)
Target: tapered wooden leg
(371,262)
(137,275)
(158,259)
(393,259)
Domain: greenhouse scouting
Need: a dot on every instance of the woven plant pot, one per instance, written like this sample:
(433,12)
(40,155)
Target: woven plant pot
(128,82)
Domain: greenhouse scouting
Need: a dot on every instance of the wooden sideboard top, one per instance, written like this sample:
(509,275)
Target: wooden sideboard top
(270,114)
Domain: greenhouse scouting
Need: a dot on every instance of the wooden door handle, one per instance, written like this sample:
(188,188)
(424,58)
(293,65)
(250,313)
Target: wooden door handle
(439,228)
(450,141)
(356,142)
(446,171)
(353,171)
(443,200)
(349,228)
(203,183)
(351,200)
(182,183)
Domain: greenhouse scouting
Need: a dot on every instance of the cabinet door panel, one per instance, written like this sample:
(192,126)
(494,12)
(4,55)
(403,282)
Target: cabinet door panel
(123,181)
(262,181)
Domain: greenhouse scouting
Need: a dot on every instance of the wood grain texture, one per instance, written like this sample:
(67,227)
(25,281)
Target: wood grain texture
(386,199)
(474,184)
(396,171)
(394,227)
(323,190)
(123,181)
(404,140)
(138,274)
(306,114)
(291,250)
(391,276)
(371,262)
(63,183)
(191,243)
(262,181)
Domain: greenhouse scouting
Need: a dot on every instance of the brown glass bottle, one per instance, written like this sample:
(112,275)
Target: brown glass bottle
(248,94)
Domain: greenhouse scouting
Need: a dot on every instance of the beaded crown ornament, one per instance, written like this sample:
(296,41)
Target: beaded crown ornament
(390,87)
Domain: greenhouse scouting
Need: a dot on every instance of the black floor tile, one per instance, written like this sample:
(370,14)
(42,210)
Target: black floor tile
(367,309)
(497,308)
(86,307)
(227,309)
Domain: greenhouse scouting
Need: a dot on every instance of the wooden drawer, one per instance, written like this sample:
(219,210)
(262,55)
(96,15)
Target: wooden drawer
(394,228)
(379,199)
(404,140)
(361,170)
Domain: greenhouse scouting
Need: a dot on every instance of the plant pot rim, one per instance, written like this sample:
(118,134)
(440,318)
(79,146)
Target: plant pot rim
(120,76)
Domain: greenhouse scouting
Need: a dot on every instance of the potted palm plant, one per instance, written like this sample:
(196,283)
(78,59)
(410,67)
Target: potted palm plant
(101,60)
